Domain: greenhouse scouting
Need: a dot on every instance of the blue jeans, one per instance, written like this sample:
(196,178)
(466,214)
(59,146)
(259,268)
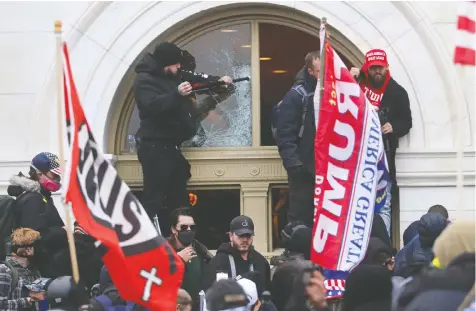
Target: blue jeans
(386,211)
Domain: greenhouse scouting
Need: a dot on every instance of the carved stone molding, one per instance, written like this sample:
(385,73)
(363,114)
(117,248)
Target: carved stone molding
(243,166)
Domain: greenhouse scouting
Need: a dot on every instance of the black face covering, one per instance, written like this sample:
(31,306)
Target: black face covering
(186,237)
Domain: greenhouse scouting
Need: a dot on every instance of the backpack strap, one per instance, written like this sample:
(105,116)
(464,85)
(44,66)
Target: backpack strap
(14,270)
(105,301)
(305,100)
(233,266)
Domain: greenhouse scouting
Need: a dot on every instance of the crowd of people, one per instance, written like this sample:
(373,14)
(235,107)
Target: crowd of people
(433,271)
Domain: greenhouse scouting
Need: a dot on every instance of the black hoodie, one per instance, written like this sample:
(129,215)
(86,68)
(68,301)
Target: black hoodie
(165,115)
(221,263)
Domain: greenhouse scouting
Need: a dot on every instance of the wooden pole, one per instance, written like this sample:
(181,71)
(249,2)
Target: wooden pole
(60,120)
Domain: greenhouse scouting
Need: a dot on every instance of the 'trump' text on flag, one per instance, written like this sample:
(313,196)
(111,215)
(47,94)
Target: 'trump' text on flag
(351,169)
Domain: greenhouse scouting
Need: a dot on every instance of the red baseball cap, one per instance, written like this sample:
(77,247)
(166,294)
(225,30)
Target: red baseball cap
(376,57)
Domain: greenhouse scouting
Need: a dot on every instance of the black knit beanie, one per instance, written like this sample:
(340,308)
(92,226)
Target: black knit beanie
(167,54)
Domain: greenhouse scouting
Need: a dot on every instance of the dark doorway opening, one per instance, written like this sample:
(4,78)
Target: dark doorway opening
(212,214)
(282,53)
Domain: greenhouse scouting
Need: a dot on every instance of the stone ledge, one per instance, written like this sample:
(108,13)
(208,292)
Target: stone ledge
(226,167)
(220,166)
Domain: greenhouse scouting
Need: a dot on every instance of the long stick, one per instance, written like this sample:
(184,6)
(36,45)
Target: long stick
(323,38)
(460,70)
(60,119)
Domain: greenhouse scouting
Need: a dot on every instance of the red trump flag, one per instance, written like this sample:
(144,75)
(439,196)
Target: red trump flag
(351,169)
(142,265)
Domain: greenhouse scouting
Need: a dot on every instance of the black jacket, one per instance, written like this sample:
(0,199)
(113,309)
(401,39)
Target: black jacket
(440,290)
(294,151)
(89,259)
(410,232)
(165,115)
(35,208)
(417,254)
(221,263)
(395,105)
(201,250)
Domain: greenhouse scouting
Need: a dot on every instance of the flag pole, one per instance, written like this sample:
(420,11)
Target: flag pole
(323,38)
(60,120)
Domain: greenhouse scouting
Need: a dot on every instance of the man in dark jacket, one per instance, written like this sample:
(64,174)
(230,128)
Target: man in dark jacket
(167,120)
(412,230)
(391,100)
(239,257)
(295,141)
(418,253)
(194,254)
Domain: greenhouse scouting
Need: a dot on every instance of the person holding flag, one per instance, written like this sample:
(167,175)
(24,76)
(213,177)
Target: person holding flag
(142,265)
(391,101)
(351,170)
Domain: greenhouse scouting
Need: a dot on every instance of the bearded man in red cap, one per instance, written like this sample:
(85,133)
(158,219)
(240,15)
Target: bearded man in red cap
(391,101)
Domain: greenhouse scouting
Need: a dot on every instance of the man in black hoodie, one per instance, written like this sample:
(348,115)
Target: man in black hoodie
(167,120)
(295,140)
(239,258)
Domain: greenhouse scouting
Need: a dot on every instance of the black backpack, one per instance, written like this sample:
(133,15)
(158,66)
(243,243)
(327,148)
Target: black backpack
(275,111)
(14,270)
(7,223)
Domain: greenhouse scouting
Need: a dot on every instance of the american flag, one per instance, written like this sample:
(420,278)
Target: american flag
(465,49)
(335,283)
(334,288)
(54,163)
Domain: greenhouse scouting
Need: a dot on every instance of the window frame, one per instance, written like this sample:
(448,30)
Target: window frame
(185,32)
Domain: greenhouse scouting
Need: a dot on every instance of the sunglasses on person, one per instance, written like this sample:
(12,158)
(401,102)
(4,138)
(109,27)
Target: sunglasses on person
(187,227)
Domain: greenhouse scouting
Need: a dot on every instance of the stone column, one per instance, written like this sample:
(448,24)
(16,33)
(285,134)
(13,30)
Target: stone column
(255,205)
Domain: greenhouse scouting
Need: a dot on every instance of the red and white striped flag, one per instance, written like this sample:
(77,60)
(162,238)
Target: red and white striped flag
(465,49)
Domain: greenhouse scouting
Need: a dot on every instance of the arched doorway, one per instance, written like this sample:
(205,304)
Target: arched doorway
(235,166)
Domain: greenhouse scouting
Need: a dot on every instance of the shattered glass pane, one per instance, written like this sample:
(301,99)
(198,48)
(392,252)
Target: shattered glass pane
(224,52)
(221,52)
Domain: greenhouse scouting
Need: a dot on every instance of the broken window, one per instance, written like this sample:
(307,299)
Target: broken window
(223,52)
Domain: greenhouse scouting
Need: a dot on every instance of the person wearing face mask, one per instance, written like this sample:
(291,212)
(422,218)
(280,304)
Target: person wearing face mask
(194,254)
(35,208)
(238,257)
(17,271)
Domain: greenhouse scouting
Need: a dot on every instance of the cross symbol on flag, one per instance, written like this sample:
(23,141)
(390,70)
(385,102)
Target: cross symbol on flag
(151,278)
